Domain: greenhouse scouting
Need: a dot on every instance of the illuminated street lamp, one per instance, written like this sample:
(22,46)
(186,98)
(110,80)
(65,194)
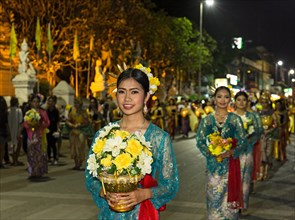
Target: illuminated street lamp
(291,72)
(279,63)
(209,3)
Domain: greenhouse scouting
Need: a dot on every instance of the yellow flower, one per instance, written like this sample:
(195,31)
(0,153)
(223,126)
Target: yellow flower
(210,147)
(227,147)
(98,146)
(154,81)
(217,151)
(245,125)
(134,147)
(147,151)
(123,161)
(106,162)
(122,134)
(120,153)
(218,145)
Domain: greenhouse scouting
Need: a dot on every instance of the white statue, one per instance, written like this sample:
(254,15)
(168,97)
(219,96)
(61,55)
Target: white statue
(25,66)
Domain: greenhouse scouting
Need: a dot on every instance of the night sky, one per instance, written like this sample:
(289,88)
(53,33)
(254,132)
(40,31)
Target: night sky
(268,23)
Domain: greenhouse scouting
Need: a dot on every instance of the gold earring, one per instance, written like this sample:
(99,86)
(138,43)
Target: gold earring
(145,109)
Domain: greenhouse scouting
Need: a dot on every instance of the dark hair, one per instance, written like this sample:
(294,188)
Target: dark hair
(53,98)
(137,75)
(242,93)
(95,101)
(282,103)
(3,109)
(13,101)
(221,88)
(36,95)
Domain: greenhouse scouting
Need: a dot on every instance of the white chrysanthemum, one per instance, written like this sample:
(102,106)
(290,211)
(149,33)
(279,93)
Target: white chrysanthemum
(142,140)
(104,132)
(150,75)
(92,165)
(251,129)
(114,145)
(144,163)
(153,88)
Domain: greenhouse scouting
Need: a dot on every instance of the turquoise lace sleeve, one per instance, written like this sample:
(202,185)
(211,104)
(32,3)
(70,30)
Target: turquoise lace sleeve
(93,185)
(164,167)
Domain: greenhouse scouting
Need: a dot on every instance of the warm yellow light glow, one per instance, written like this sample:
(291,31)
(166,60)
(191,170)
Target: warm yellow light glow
(291,71)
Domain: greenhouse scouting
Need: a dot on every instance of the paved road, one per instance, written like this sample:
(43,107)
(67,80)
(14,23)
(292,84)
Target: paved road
(62,196)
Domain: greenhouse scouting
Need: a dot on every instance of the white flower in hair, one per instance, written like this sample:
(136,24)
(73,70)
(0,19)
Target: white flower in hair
(154,81)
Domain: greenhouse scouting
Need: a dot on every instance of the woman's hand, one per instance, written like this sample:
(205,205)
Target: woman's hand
(227,154)
(128,199)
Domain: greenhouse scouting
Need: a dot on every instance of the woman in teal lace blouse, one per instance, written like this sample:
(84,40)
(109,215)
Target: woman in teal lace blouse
(133,91)
(223,198)
(254,132)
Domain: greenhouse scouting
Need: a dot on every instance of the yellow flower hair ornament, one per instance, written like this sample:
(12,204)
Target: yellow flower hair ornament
(154,81)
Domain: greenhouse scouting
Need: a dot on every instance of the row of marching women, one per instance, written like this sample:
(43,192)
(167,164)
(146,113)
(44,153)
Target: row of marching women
(240,145)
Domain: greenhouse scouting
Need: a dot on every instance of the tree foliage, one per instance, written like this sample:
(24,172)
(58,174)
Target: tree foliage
(124,31)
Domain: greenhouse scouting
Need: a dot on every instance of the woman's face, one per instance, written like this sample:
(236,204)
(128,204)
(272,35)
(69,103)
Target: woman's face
(35,103)
(50,103)
(131,97)
(93,103)
(241,102)
(222,99)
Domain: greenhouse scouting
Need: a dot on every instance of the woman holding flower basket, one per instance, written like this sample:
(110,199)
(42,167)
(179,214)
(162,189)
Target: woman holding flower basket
(133,155)
(80,128)
(36,122)
(253,131)
(221,138)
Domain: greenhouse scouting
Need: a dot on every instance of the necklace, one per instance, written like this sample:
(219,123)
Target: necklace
(222,120)
(139,130)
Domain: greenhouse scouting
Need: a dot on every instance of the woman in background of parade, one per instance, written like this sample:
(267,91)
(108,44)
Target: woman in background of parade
(257,146)
(26,106)
(54,131)
(291,112)
(269,123)
(78,122)
(15,119)
(185,113)
(223,184)
(95,116)
(37,144)
(283,121)
(3,129)
(253,133)
(157,114)
(133,92)
(171,117)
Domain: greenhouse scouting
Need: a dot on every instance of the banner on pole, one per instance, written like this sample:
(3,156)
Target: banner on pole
(76,52)
(13,43)
(49,45)
(38,35)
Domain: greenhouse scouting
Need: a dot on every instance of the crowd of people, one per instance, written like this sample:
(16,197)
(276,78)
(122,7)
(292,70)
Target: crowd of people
(255,133)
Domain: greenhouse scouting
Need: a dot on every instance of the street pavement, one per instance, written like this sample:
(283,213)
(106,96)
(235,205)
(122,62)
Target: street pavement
(62,194)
